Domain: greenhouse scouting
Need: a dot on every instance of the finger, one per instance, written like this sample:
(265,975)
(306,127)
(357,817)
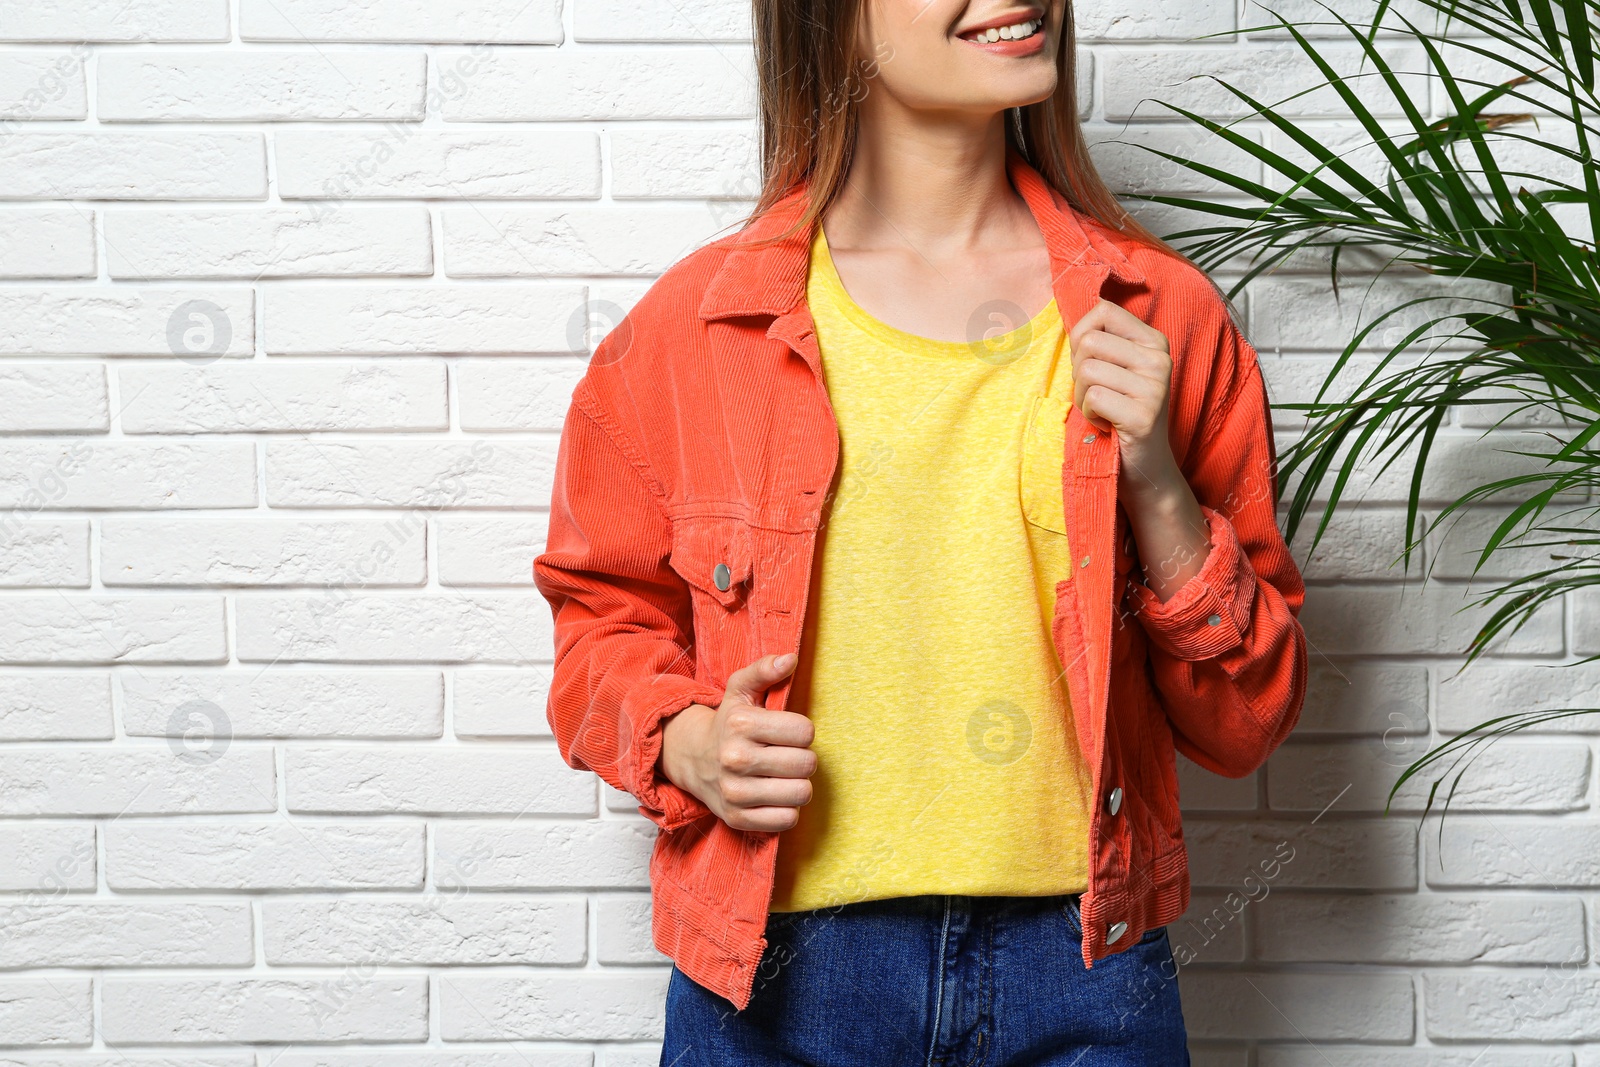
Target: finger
(766,792)
(1123,352)
(772,727)
(1114,407)
(1116,378)
(762,820)
(1118,321)
(751,682)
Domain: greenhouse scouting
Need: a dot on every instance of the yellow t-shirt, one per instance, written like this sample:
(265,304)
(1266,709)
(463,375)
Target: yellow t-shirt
(948,761)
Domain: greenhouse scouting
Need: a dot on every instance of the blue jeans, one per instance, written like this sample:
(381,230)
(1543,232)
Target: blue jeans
(936,981)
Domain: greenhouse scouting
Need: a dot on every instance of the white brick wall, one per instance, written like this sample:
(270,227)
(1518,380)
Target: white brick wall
(290,296)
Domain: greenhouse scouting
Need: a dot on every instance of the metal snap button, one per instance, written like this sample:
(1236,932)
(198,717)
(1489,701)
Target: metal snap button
(1116,931)
(1089,440)
(722,576)
(1215,620)
(1114,801)
(1085,562)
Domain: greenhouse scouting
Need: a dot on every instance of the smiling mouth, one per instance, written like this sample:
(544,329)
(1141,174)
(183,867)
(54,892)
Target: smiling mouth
(1019,31)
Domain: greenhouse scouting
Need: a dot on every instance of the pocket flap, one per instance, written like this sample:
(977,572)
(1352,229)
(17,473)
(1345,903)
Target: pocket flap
(703,546)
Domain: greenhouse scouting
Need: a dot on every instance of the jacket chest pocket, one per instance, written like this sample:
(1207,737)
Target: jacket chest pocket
(713,555)
(1044,450)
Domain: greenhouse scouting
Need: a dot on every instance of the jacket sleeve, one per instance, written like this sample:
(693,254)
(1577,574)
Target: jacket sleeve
(1227,649)
(623,621)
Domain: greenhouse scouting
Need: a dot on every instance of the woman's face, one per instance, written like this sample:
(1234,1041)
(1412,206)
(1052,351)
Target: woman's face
(938,54)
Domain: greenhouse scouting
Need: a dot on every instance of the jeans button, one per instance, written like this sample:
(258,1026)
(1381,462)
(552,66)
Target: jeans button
(722,576)
(1115,932)
(1114,801)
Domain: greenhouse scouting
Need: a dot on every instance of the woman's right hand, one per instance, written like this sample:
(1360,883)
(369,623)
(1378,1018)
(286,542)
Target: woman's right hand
(749,764)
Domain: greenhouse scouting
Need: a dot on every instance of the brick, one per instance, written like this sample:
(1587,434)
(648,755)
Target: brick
(261,86)
(459,781)
(1212,930)
(576,1006)
(509,84)
(81,473)
(273,397)
(55,706)
(432,931)
(713,162)
(1388,700)
(408,161)
(502,703)
(54,398)
(1106,20)
(331,627)
(1297,1007)
(40,628)
(500,21)
(1504,776)
(1488,690)
(56,1011)
(423,1056)
(44,553)
(1135,78)
(1585,622)
(495,241)
(195,1010)
(1553,1004)
(1360,544)
(46,243)
(36,85)
(488,552)
(1330,854)
(148,165)
(1454,547)
(1372,1056)
(348,553)
(421,320)
(596,854)
(517,394)
(290,703)
(1203,791)
(264,854)
(126,934)
(134,781)
(114,20)
(47,859)
(127,322)
(1410,929)
(1470,852)
(692,22)
(1414,620)
(402,473)
(1127,160)
(251,243)
(1300,313)
(624,930)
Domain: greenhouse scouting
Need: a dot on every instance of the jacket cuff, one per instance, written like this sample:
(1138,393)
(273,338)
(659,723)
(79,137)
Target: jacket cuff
(660,801)
(1210,612)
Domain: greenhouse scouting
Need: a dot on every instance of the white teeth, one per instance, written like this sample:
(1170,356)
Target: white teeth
(1009,33)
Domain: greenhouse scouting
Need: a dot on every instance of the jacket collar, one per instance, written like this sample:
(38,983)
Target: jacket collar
(771,279)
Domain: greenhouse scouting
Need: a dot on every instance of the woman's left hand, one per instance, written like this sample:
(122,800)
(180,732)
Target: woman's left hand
(1121,378)
(1121,375)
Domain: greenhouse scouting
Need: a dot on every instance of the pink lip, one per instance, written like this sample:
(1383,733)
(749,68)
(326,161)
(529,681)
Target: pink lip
(1028,46)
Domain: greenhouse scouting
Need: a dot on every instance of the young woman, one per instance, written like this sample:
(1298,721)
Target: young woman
(896,543)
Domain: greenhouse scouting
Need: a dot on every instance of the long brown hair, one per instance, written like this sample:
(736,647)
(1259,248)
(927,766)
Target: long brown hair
(811,82)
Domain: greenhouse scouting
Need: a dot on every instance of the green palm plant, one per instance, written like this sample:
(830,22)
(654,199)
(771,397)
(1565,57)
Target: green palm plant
(1510,318)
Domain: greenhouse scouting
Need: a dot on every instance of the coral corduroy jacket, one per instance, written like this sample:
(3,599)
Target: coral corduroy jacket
(695,462)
